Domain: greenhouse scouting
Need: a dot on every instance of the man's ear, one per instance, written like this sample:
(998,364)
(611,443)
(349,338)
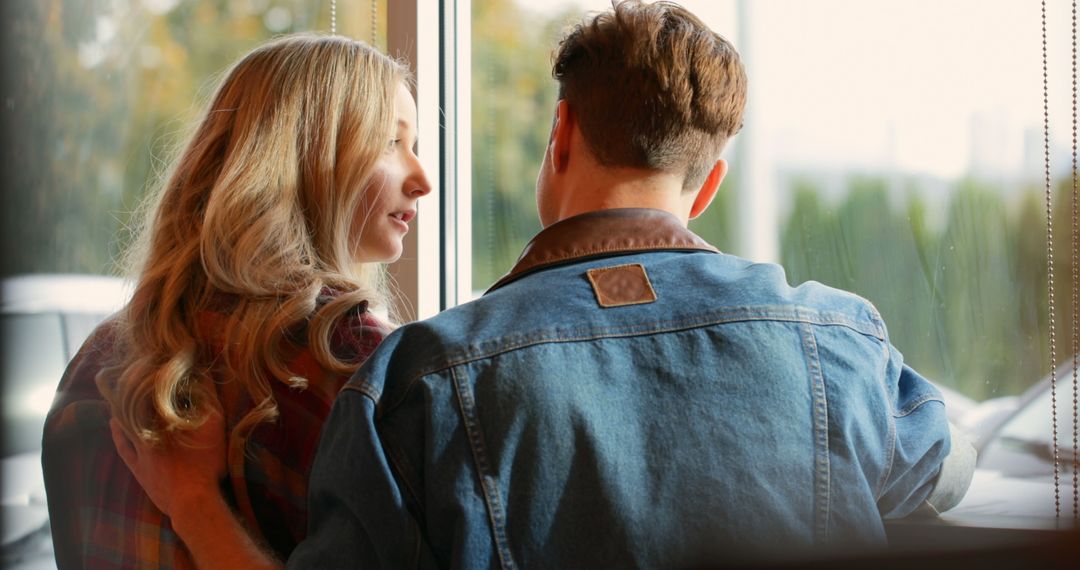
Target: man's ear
(561,135)
(708,189)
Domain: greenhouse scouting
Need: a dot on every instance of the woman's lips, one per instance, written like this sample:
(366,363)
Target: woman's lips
(402,219)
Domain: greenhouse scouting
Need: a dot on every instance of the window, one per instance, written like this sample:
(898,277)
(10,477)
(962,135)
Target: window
(883,152)
(98,94)
(891,158)
(891,148)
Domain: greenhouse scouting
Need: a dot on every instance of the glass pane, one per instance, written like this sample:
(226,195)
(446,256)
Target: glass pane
(898,163)
(1023,446)
(512,101)
(98,94)
(78,326)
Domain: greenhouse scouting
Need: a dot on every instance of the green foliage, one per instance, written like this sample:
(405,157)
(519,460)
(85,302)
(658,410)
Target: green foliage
(97,96)
(513,98)
(965,303)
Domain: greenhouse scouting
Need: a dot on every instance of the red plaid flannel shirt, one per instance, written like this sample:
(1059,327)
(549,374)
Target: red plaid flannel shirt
(100,516)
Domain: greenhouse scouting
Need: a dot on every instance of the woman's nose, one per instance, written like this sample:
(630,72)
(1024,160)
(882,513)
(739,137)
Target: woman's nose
(417,184)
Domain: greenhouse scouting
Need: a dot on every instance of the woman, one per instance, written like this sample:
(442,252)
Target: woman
(257,276)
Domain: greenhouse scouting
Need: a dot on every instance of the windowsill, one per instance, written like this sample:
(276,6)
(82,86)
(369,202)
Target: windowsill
(971,533)
(997,512)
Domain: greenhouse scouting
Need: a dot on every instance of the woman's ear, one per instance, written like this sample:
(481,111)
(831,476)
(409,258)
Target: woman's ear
(708,189)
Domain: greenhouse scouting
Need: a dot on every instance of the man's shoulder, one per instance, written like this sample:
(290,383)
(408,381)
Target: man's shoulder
(814,301)
(421,348)
(727,284)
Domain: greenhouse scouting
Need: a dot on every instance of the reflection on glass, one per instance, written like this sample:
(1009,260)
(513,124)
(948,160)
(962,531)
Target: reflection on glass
(34,360)
(1024,445)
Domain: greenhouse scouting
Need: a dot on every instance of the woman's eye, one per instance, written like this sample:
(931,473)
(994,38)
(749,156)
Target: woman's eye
(393,143)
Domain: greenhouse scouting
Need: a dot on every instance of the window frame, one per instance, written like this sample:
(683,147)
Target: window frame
(434,38)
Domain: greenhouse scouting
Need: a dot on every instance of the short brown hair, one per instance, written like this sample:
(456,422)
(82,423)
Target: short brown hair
(653,87)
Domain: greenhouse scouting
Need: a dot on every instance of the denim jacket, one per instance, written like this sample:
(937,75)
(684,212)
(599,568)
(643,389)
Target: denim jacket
(628,396)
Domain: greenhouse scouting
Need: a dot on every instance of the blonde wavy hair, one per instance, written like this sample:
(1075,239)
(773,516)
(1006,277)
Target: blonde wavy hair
(258,206)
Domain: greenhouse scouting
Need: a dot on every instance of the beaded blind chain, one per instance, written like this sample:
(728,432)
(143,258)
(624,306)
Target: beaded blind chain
(374,19)
(1075,336)
(1050,266)
(1074,329)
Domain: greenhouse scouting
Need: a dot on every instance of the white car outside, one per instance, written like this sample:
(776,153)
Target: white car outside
(44,319)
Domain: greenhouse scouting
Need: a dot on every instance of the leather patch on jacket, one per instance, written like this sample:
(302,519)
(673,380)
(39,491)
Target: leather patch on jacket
(621,285)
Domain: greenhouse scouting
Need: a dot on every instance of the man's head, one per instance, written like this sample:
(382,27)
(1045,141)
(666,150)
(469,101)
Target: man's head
(652,88)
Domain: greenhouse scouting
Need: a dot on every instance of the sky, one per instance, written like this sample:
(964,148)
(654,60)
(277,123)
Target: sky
(933,87)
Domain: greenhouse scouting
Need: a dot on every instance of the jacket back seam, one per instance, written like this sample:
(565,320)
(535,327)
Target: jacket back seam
(820,416)
(890,456)
(487,481)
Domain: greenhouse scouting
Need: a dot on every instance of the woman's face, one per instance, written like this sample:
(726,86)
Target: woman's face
(398,181)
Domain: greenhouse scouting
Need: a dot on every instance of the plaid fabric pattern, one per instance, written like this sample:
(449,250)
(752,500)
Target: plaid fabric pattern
(100,516)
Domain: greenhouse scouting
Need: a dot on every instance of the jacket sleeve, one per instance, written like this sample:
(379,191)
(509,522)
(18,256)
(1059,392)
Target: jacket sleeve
(357,514)
(931,463)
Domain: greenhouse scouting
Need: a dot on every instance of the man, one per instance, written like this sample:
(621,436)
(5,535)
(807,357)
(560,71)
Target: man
(628,396)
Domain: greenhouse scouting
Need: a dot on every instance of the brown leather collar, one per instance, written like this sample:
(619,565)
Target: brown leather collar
(600,233)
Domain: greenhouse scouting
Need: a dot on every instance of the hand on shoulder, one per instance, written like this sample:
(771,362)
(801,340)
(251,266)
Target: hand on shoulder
(179,472)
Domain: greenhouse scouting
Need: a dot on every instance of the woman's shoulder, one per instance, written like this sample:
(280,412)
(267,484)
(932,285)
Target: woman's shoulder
(353,335)
(357,332)
(100,349)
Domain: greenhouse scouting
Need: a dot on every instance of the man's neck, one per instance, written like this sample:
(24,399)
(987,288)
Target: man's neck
(624,188)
